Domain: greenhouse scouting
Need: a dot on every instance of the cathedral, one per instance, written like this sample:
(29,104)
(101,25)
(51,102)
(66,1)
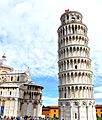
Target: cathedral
(19,96)
(76,95)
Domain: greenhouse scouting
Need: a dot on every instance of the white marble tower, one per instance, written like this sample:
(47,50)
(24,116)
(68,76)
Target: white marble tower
(76,96)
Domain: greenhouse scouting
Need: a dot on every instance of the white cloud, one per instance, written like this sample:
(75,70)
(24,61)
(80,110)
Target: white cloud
(48,98)
(30,37)
(98,92)
(48,101)
(98,95)
(28,32)
(98,89)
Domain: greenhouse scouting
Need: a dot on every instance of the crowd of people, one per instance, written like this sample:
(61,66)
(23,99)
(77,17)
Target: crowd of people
(24,118)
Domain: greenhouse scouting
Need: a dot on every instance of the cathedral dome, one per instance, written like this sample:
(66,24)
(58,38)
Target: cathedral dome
(4,65)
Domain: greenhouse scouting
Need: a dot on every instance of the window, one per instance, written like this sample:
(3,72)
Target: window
(54,115)
(77,16)
(10,92)
(67,17)
(54,110)
(1,92)
(75,115)
(11,78)
(73,29)
(100,110)
(18,78)
(75,66)
(63,31)
(65,95)
(30,95)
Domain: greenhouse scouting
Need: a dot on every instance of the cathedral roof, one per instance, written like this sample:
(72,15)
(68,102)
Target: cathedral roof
(18,85)
(33,84)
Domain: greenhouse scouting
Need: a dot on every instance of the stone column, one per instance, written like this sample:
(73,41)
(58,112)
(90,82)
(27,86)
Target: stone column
(71,112)
(18,112)
(37,110)
(87,112)
(79,112)
(64,112)
(59,112)
(93,113)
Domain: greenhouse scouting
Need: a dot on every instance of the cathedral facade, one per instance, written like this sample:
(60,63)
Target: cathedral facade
(19,96)
(76,96)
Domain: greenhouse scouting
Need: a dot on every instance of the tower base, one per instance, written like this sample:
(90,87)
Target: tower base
(77,110)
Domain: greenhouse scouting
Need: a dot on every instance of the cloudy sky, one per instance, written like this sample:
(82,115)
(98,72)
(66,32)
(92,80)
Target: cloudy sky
(28,37)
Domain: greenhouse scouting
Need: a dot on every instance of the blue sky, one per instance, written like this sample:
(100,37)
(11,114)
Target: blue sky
(28,37)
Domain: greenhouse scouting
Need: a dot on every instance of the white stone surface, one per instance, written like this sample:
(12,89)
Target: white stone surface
(18,94)
(76,99)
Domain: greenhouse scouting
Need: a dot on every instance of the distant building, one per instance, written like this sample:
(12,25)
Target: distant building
(99,111)
(19,96)
(51,111)
(76,96)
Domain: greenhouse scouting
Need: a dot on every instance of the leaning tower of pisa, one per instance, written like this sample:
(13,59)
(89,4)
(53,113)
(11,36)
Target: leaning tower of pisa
(76,96)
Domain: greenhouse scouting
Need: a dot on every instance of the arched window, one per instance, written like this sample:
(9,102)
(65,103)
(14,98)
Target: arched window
(75,66)
(67,17)
(10,92)
(73,28)
(63,30)
(11,78)
(65,95)
(66,29)
(18,78)
(75,115)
